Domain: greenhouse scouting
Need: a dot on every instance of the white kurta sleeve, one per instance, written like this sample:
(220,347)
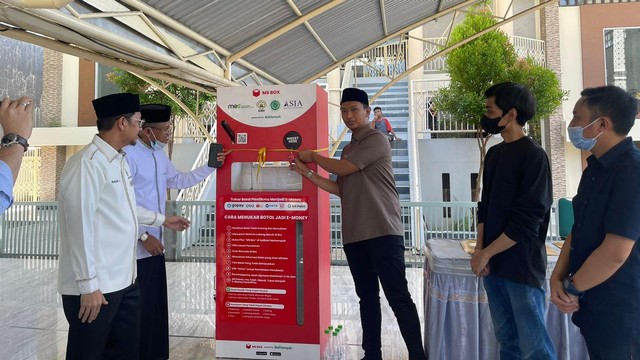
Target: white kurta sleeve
(83,185)
(148,217)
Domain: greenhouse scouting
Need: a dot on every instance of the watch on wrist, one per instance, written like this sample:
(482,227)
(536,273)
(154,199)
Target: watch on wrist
(144,236)
(11,139)
(568,286)
(309,174)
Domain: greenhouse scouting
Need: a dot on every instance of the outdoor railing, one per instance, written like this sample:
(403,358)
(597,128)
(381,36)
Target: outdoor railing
(388,60)
(27,186)
(524,47)
(195,192)
(186,130)
(31,229)
(431,47)
(530,48)
(198,242)
(424,113)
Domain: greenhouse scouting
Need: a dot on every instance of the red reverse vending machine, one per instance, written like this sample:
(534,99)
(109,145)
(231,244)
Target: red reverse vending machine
(273,295)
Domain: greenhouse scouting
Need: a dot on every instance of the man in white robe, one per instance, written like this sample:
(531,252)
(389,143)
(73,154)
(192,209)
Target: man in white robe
(98,221)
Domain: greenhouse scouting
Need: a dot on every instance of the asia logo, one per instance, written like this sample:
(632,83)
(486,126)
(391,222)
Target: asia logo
(292,104)
(261,105)
(256,92)
(275,105)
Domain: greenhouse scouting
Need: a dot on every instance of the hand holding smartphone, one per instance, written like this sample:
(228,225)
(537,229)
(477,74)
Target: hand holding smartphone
(214,149)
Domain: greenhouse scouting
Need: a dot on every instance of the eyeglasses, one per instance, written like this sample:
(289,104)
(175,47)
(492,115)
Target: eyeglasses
(139,121)
(167,130)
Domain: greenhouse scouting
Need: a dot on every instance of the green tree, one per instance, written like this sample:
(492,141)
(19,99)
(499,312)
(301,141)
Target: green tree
(488,60)
(193,99)
(149,94)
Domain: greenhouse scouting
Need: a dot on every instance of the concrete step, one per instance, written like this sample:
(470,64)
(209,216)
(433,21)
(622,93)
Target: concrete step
(395,99)
(396,112)
(400,167)
(389,96)
(399,86)
(401,179)
(395,106)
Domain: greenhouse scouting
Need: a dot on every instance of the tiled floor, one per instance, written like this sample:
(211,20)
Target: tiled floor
(33,325)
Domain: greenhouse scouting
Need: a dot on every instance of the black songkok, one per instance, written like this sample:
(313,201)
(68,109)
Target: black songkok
(116,104)
(354,94)
(155,113)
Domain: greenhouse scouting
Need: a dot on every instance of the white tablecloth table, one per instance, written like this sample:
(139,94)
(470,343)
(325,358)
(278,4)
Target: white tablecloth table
(456,313)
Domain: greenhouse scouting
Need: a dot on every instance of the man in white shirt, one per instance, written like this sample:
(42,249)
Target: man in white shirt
(153,173)
(98,231)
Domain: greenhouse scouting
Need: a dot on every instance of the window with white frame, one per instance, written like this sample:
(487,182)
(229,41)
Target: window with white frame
(622,57)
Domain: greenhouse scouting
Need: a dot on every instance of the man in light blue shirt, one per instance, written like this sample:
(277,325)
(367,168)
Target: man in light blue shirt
(152,174)
(16,122)
(6,186)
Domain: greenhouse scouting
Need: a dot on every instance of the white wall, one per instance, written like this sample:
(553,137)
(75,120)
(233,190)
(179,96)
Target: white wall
(571,57)
(182,158)
(184,155)
(62,136)
(458,157)
(70,86)
(571,67)
(635,130)
(573,161)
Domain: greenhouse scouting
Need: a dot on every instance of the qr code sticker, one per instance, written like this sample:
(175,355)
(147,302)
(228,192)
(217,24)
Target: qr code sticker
(242,138)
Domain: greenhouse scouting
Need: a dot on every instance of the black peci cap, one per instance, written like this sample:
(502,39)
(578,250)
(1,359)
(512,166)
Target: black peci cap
(354,94)
(116,104)
(155,113)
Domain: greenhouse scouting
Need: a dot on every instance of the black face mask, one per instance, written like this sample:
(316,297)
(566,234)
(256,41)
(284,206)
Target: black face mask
(491,125)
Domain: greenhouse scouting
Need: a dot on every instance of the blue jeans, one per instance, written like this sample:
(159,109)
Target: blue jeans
(382,259)
(517,311)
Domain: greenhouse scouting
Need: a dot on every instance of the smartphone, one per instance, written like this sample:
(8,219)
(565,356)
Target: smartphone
(214,149)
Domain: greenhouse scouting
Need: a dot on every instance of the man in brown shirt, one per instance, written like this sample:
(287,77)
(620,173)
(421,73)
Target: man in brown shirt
(371,225)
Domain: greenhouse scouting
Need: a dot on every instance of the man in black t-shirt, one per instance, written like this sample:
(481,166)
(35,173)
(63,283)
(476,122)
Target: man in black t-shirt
(513,217)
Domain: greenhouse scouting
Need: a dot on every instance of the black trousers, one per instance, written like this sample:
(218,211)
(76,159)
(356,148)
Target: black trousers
(114,334)
(599,348)
(154,329)
(382,259)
